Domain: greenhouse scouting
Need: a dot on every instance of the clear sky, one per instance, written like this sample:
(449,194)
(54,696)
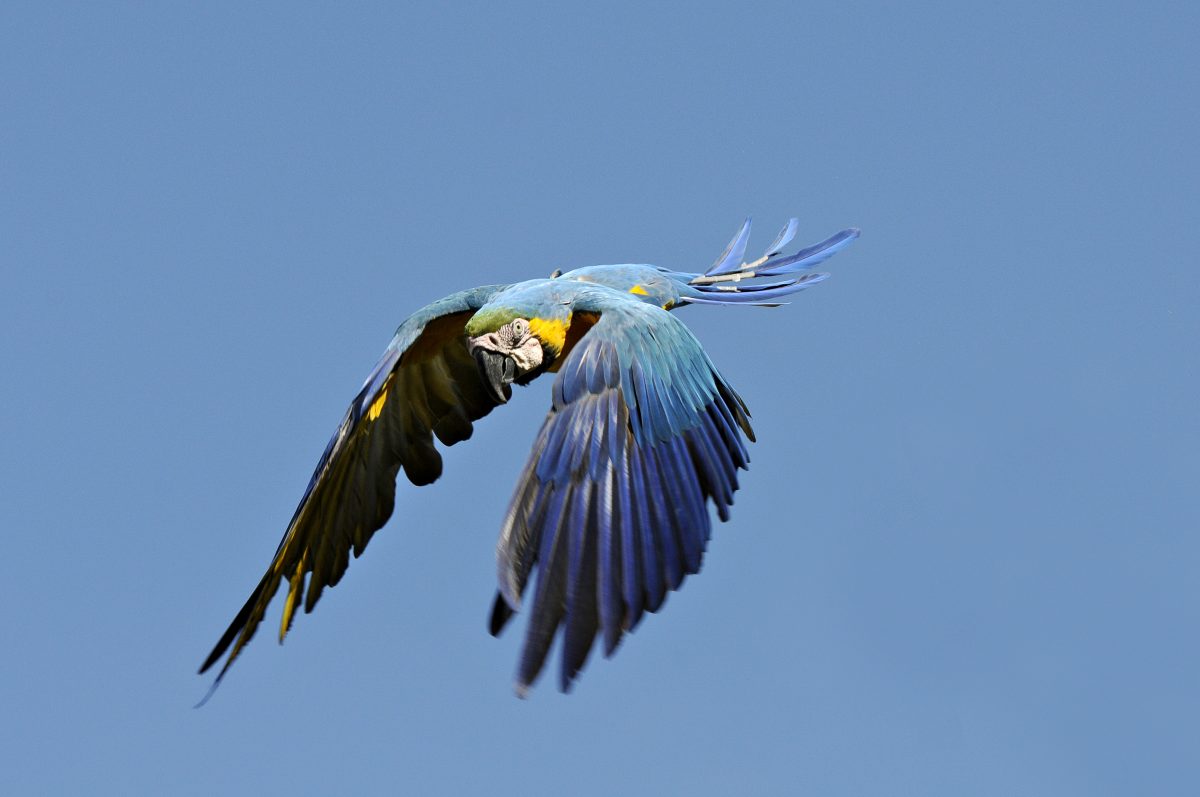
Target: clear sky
(965,557)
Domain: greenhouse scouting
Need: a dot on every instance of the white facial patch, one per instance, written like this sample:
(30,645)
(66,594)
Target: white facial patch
(515,340)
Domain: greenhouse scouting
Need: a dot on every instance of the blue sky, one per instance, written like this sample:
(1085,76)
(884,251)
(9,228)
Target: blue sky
(964,560)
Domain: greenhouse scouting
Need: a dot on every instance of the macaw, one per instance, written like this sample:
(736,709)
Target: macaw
(611,508)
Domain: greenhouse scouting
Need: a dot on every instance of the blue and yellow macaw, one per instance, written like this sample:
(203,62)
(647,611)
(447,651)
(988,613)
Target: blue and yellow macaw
(610,509)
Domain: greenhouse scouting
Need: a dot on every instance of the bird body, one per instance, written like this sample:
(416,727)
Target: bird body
(611,510)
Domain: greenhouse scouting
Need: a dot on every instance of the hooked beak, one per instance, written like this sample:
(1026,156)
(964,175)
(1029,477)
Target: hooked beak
(497,370)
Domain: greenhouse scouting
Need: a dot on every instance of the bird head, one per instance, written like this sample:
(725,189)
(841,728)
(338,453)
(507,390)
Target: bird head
(512,348)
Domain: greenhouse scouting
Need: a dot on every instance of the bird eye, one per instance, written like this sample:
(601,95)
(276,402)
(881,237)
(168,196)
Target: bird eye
(520,326)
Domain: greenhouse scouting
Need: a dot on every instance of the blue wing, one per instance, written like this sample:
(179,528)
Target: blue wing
(611,508)
(426,384)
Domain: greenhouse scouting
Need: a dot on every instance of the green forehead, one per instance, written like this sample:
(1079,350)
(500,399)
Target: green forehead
(490,319)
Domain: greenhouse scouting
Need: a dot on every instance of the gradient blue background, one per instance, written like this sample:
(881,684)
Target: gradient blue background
(965,557)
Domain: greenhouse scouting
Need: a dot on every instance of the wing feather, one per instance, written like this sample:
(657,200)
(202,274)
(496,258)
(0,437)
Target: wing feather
(425,385)
(550,593)
(610,573)
(581,614)
(642,433)
(626,531)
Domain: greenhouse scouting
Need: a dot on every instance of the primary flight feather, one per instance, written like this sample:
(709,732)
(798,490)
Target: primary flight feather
(611,509)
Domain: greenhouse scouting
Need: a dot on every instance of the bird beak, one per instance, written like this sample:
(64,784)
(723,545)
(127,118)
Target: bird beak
(497,370)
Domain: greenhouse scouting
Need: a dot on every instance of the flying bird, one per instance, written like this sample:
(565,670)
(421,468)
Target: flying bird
(611,509)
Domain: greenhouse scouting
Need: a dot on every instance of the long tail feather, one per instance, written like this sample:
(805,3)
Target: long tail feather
(731,259)
(752,294)
(784,238)
(807,258)
(727,283)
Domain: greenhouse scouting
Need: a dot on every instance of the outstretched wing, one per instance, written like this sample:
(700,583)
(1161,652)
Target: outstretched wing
(426,384)
(611,508)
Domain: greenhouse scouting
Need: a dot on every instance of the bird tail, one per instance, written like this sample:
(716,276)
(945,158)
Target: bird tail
(723,283)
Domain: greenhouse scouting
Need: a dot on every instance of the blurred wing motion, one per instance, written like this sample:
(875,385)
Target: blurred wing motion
(425,385)
(611,506)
